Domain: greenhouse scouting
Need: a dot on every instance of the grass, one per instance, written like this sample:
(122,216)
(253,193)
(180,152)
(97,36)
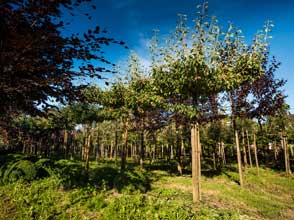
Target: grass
(67,192)
(268,196)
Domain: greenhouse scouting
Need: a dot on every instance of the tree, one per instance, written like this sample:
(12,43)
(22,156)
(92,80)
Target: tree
(37,59)
(129,101)
(203,63)
(259,98)
(281,123)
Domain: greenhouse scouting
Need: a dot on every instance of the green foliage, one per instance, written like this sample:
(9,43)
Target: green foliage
(162,206)
(72,174)
(44,167)
(105,194)
(36,200)
(21,170)
(132,180)
(145,207)
(104,177)
(196,64)
(207,213)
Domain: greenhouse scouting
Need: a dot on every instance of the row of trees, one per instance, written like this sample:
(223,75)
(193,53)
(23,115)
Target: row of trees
(46,137)
(199,78)
(168,144)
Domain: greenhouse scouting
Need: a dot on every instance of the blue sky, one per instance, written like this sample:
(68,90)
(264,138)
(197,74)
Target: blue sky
(133,21)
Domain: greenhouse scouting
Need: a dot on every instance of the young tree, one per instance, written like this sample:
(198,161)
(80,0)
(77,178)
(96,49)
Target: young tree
(199,65)
(128,101)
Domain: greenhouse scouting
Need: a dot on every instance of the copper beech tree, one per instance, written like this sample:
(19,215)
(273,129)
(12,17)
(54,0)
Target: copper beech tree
(39,60)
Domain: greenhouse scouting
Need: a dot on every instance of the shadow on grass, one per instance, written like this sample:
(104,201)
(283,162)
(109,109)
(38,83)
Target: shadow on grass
(72,174)
(105,175)
(231,177)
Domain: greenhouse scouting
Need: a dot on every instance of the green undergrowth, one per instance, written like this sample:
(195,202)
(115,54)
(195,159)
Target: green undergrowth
(40,188)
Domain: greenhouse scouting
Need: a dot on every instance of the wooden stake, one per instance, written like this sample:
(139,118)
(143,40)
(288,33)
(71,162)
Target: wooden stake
(196,163)
(239,158)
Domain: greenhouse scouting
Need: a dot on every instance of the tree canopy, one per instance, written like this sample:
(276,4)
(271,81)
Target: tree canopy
(38,62)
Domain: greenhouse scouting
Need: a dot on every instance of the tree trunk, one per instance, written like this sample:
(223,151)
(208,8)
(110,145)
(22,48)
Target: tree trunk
(239,158)
(214,161)
(111,150)
(275,151)
(124,147)
(97,146)
(65,140)
(142,150)
(24,147)
(223,153)
(196,163)
(255,153)
(244,149)
(87,149)
(168,156)
(286,155)
(72,145)
(102,149)
(115,143)
(249,149)
(179,151)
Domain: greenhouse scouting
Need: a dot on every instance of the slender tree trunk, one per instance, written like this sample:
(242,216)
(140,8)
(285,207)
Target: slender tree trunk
(239,158)
(142,150)
(275,151)
(65,140)
(179,151)
(87,149)
(196,163)
(36,148)
(244,149)
(183,148)
(115,143)
(291,150)
(24,147)
(214,161)
(218,154)
(124,147)
(84,144)
(255,153)
(223,153)
(97,146)
(249,149)
(41,145)
(153,153)
(168,153)
(111,150)
(286,155)
(32,145)
(72,145)
(102,148)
